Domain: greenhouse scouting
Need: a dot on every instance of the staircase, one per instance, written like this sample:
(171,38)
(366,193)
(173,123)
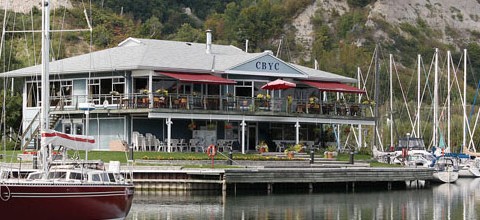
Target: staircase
(29,141)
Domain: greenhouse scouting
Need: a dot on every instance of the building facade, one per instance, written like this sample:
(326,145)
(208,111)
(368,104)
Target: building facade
(166,91)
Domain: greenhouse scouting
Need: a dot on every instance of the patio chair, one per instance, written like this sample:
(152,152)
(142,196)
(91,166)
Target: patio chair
(150,141)
(183,145)
(141,143)
(161,146)
(192,144)
(135,140)
(200,146)
(175,145)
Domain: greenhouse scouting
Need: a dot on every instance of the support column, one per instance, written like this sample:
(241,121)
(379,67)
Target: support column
(243,124)
(150,89)
(297,132)
(169,134)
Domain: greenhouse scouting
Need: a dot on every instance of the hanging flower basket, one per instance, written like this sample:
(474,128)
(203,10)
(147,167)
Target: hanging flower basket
(192,126)
(211,126)
(228,126)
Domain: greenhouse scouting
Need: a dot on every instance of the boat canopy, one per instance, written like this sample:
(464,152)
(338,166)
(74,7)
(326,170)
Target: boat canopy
(74,142)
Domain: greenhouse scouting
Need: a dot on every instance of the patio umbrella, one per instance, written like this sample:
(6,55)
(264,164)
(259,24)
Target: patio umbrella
(278,84)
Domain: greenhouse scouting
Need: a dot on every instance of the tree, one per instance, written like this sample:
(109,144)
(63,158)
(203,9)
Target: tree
(13,112)
(152,28)
(189,34)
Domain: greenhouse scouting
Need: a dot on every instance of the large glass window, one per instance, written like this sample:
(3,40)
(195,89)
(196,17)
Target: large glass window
(60,93)
(100,90)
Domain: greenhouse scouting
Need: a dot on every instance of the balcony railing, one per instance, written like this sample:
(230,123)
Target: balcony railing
(231,104)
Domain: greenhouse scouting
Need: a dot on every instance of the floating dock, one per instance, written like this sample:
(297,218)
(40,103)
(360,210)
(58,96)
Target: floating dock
(309,178)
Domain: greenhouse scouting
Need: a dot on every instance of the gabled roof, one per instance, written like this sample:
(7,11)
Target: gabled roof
(173,56)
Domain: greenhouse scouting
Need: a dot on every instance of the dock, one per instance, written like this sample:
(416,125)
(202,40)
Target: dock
(268,178)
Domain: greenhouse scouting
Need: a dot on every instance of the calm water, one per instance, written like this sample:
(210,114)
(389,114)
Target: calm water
(447,201)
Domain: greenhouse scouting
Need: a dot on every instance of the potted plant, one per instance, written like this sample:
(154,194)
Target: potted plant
(162,92)
(145,91)
(331,152)
(114,93)
(228,125)
(293,149)
(262,147)
(192,126)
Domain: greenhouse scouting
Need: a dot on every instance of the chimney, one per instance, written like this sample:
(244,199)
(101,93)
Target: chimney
(209,41)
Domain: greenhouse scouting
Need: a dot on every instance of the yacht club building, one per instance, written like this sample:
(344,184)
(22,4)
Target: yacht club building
(177,96)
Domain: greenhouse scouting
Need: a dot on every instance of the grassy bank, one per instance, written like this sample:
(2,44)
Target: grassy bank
(123,156)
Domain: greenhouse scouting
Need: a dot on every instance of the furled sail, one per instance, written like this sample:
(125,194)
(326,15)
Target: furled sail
(74,142)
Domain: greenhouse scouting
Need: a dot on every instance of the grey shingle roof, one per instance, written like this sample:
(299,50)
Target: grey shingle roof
(161,55)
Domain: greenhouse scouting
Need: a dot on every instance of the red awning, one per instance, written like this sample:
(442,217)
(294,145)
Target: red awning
(333,87)
(199,78)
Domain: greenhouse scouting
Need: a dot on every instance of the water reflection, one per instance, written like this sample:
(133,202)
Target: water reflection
(446,201)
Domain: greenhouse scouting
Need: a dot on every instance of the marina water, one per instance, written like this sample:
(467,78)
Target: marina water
(446,201)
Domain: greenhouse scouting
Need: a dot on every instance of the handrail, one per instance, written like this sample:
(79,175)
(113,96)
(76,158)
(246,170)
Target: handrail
(232,104)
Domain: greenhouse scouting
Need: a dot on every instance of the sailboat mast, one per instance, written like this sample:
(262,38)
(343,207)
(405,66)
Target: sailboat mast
(464,144)
(448,100)
(435,102)
(391,100)
(360,137)
(418,94)
(377,90)
(45,85)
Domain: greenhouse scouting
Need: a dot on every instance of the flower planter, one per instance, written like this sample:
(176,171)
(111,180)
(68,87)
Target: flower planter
(290,155)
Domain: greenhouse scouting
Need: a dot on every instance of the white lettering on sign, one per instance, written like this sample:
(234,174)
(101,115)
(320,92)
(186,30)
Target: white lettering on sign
(267,66)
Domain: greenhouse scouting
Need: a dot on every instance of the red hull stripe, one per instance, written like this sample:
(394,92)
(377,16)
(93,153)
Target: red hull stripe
(65,136)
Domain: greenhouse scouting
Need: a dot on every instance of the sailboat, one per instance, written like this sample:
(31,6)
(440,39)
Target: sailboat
(445,166)
(63,189)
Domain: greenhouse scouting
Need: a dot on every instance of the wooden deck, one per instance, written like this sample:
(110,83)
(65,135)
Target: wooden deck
(326,175)
(264,178)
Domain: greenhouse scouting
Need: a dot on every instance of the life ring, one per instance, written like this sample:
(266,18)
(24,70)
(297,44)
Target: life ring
(211,151)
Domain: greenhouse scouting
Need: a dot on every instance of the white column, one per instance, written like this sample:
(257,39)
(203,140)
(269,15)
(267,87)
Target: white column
(150,90)
(87,126)
(297,132)
(169,134)
(243,124)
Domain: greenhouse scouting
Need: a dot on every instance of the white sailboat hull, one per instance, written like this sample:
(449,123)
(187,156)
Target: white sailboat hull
(469,172)
(445,176)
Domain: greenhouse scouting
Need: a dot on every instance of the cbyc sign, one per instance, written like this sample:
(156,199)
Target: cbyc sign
(262,65)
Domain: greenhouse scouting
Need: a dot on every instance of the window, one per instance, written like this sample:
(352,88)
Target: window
(105,177)
(67,128)
(33,92)
(96,178)
(60,93)
(99,89)
(75,176)
(111,177)
(57,175)
(79,129)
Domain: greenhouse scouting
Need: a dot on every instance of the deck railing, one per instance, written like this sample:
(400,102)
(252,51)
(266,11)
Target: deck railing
(232,104)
